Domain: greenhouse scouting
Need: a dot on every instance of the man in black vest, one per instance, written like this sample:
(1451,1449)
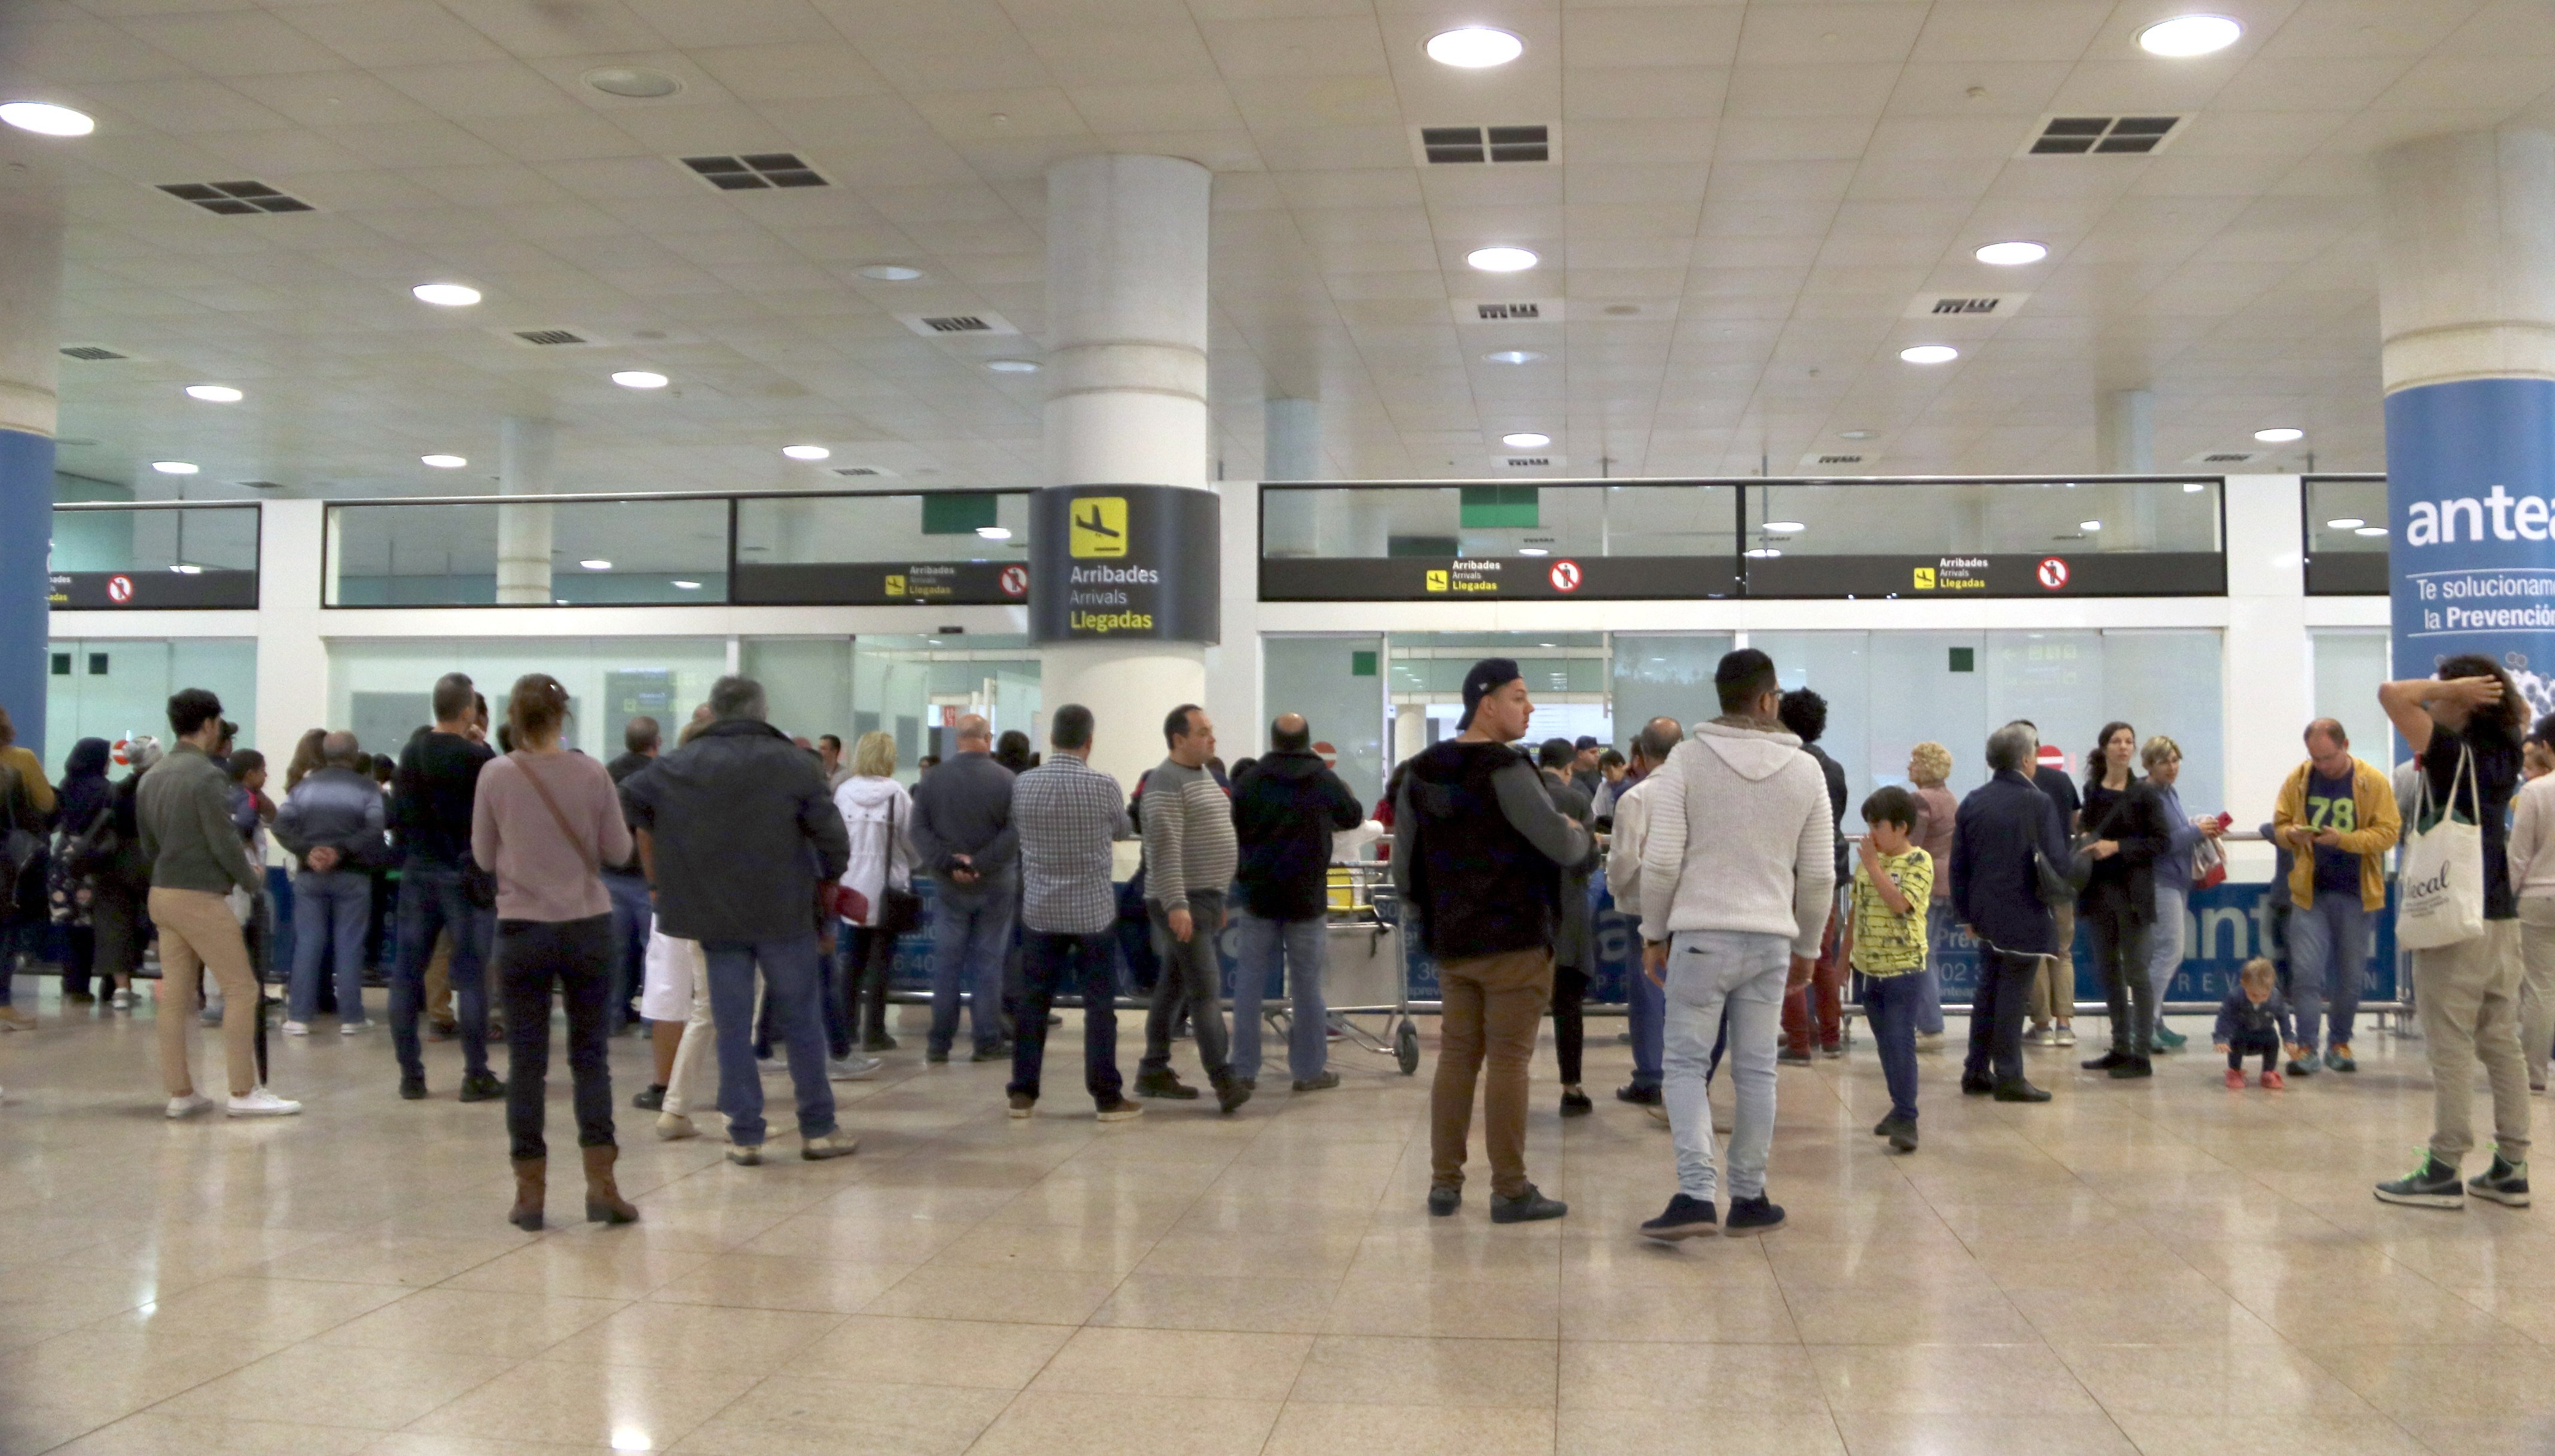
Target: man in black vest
(1478,855)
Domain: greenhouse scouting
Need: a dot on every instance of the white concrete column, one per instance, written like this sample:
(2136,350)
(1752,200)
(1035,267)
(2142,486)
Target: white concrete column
(2124,432)
(1126,311)
(2468,283)
(30,284)
(526,458)
(2268,666)
(1293,432)
(293,667)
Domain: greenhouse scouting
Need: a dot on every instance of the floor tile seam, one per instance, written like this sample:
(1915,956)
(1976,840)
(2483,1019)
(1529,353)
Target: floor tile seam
(377,1430)
(2307,1352)
(374,1432)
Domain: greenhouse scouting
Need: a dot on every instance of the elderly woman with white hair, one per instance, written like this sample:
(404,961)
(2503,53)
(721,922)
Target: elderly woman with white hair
(2004,829)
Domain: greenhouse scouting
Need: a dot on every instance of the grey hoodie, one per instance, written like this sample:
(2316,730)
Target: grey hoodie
(1739,838)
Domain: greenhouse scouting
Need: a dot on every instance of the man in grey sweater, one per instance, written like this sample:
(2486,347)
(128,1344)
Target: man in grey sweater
(1189,857)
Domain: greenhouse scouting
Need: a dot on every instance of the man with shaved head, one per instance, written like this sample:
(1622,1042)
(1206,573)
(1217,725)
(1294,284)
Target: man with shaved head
(2336,816)
(333,823)
(963,836)
(1286,808)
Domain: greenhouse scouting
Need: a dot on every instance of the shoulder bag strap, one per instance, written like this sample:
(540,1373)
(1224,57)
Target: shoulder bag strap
(575,841)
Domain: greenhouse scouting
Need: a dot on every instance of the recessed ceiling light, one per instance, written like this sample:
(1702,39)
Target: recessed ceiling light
(2279,436)
(2193,487)
(214,394)
(1763,553)
(633,81)
(2189,35)
(891,273)
(1473,47)
(443,463)
(1929,355)
(1513,356)
(187,569)
(595,563)
(45,119)
(1788,526)
(174,467)
(806,453)
(1012,366)
(446,294)
(2011,255)
(1533,552)
(1501,259)
(640,379)
(2089,526)
(2347,523)
(2371,530)
(687,586)
(1526,439)
(995,533)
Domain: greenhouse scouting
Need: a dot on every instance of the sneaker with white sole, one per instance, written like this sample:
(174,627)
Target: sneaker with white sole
(188,1104)
(353,1029)
(673,1127)
(852,1068)
(830,1144)
(297,1029)
(261,1103)
(745,1155)
(121,1000)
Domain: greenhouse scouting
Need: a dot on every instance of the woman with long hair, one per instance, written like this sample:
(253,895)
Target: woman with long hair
(305,758)
(2118,903)
(545,822)
(879,816)
(84,808)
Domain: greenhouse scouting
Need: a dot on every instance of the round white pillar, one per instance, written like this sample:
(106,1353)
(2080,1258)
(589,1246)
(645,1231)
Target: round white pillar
(525,466)
(1292,441)
(1126,311)
(31,278)
(2124,432)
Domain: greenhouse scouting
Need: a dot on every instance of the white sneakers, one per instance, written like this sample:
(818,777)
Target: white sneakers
(188,1104)
(297,1029)
(831,1144)
(261,1103)
(852,1068)
(673,1127)
(121,1000)
(353,1029)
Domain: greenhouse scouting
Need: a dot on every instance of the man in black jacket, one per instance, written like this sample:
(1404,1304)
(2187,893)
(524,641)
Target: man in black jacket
(2000,828)
(737,831)
(628,883)
(1286,807)
(435,789)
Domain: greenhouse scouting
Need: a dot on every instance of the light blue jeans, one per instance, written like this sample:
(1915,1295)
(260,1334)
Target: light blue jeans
(1304,947)
(971,933)
(331,908)
(2164,943)
(795,984)
(2328,965)
(1708,970)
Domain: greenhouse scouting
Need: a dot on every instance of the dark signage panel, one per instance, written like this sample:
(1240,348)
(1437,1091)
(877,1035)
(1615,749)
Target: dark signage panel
(2347,574)
(1125,562)
(1454,578)
(153,591)
(2004,574)
(880,584)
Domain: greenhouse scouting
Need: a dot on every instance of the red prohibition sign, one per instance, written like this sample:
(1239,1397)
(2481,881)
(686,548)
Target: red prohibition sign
(119,588)
(1015,580)
(1565,575)
(2053,572)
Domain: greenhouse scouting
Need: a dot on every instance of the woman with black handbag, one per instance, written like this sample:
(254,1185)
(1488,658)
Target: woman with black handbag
(879,817)
(2117,907)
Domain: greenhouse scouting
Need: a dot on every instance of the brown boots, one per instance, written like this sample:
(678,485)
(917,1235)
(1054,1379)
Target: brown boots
(532,1180)
(603,1201)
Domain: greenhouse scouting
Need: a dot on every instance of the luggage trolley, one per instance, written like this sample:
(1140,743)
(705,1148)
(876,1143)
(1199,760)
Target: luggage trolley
(1366,975)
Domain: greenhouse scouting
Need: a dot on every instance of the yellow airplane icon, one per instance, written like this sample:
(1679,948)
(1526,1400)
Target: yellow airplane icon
(1099,527)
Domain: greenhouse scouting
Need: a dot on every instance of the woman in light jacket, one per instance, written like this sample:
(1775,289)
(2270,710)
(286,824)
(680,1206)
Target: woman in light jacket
(2163,759)
(878,814)
(2532,879)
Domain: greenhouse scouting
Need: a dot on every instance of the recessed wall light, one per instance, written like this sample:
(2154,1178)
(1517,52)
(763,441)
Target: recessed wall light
(2371,530)
(1526,439)
(891,273)
(595,563)
(443,463)
(636,83)
(1473,47)
(2347,523)
(1929,355)
(174,467)
(2089,527)
(1764,554)
(214,394)
(640,379)
(808,452)
(1534,552)
(446,294)
(2279,436)
(2189,35)
(1513,356)
(45,119)
(2011,255)
(1786,527)
(687,586)
(1012,366)
(1501,259)
(2193,487)
(187,569)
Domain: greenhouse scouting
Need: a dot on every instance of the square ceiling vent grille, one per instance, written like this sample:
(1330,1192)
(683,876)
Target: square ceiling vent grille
(952,325)
(235,198)
(755,172)
(553,339)
(2103,136)
(91,353)
(1449,145)
(1509,310)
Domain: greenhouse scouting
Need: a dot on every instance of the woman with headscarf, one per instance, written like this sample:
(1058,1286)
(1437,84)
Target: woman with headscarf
(119,878)
(86,810)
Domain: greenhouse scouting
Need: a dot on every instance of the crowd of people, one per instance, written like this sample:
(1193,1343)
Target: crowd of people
(740,896)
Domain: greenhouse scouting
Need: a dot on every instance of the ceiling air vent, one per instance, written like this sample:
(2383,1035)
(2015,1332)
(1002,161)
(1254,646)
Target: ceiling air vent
(1495,312)
(1509,310)
(956,324)
(2104,136)
(1840,459)
(551,338)
(2227,458)
(1529,462)
(263,484)
(943,325)
(754,171)
(858,470)
(91,352)
(235,198)
(1992,308)
(1440,145)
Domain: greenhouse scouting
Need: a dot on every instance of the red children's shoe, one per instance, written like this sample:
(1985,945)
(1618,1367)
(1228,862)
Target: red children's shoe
(2234,1081)
(2272,1081)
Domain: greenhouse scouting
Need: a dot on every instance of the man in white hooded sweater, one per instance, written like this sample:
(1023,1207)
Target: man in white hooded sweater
(1738,870)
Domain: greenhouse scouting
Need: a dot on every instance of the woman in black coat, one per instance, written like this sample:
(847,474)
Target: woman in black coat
(2117,904)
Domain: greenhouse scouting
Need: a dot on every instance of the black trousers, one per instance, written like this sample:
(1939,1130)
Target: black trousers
(861,988)
(81,941)
(1052,963)
(2265,1043)
(2119,944)
(1997,1012)
(1569,1027)
(576,955)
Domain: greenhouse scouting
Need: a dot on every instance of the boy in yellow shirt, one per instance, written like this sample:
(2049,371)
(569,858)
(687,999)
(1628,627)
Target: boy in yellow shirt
(1894,881)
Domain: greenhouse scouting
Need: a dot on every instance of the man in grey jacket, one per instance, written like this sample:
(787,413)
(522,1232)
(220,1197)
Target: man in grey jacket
(963,837)
(1189,857)
(332,821)
(183,808)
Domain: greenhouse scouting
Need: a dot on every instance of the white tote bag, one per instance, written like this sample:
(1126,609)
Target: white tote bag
(2441,884)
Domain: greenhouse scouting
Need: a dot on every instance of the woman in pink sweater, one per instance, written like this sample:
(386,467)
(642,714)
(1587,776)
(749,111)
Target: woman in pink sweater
(544,822)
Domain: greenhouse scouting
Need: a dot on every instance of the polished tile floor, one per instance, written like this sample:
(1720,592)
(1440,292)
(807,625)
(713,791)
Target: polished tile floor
(2165,1268)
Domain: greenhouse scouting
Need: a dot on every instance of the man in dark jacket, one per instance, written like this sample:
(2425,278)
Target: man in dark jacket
(434,788)
(2000,828)
(737,831)
(332,821)
(1478,855)
(1804,716)
(963,836)
(1286,807)
(628,883)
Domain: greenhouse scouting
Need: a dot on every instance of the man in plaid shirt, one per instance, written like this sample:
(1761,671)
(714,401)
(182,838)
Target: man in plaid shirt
(1067,814)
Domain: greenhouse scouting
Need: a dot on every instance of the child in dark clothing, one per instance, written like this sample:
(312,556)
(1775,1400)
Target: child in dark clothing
(2255,1018)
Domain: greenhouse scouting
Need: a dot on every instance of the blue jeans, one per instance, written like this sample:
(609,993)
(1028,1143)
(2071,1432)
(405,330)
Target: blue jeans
(1304,947)
(2164,944)
(632,914)
(1087,965)
(1939,925)
(793,985)
(2328,964)
(1893,1004)
(1710,971)
(431,901)
(970,934)
(1645,1011)
(332,908)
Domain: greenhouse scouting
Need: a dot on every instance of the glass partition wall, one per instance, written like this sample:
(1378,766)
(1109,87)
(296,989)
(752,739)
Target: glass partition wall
(2346,535)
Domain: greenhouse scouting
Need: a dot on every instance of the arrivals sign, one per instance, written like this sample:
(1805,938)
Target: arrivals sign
(1125,563)
(880,584)
(1454,578)
(2469,470)
(2000,575)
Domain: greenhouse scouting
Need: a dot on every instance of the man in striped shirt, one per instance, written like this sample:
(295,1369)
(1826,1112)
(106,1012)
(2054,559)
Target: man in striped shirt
(1067,814)
(1190,858)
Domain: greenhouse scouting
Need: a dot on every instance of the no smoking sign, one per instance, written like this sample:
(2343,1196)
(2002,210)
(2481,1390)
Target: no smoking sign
(2053,572)
(1565,575)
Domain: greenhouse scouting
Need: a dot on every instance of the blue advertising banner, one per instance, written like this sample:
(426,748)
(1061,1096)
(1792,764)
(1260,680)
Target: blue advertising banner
(2469,470)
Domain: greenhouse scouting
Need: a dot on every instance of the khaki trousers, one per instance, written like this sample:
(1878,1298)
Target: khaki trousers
(2469,996)
(2537,982)
(1493,1006)
(2053,991)
(196,932)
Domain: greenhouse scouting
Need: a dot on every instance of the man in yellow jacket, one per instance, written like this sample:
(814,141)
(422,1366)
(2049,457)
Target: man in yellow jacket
(2337,818)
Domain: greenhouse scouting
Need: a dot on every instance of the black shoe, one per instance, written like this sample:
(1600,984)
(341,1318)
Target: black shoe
(1442,1202)
(1974,1084)
(1901,1133)
(2432,1185)
(1638,1095)
(1230,1093)
(652,1100)
(1166,1084)
(1576,1104)
(1790,1059)
(482,1087)
(2019,1090)
(1054,1019)
(412,1089)
(881,1043)
(2106,1061)
(1323,1082)
(1757,1214)
(2135,1066)
(990,1053)
(1527,1207)
(1685,1218)
(2304,1066)
(1249,1083)
(1881,1128)
(2502,1183)
(940,1059)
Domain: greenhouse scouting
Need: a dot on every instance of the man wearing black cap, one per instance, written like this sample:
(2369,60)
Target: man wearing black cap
(1584,773)
(1479,851)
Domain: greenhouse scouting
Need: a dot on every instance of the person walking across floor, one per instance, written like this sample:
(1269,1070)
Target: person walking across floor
(737,831)
(2337,818)
(878,817)
(1286,807)
(1645,1008)
(1066,815)
(2175,869)
(545,822)
(1190,858)
(2053,990)
(1930,763)
(963,838)
(2008,853)
(2118,903)
(1815,1015)
(333,823)
(198,860)
(627,884)
(1476,857)
(2465,725)
(441,891)
(1574,940)
(1738,891)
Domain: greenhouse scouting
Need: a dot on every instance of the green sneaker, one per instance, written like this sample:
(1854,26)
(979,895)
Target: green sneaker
(2432,1184)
